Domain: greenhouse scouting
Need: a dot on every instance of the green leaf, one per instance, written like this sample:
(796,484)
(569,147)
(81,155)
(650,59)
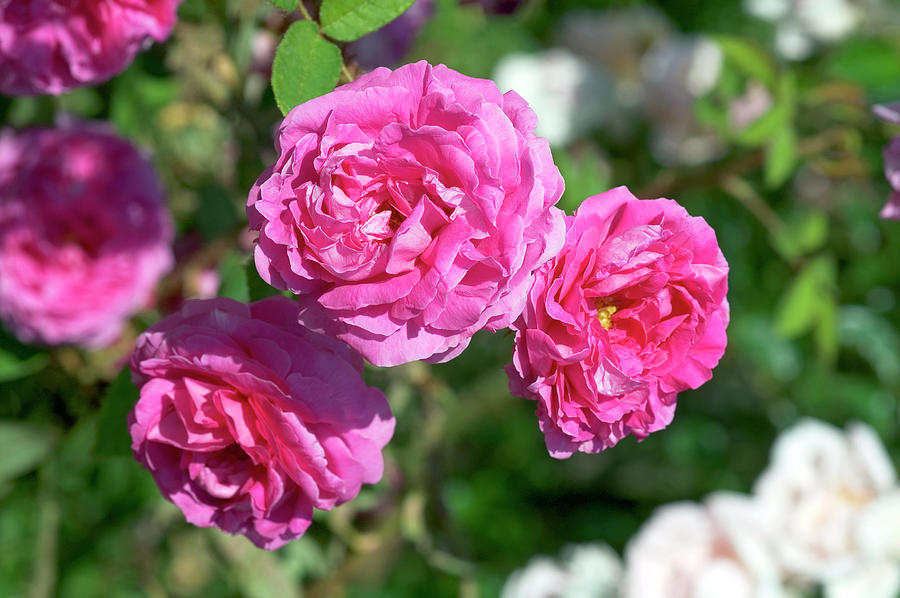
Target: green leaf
(809,299)
(347,20)
(826,331)
(113,439)
(18,360)
(234,278)
(781,157)
(306,66)
(873,64)
(803,234)
(748,58)
(285,4)
(256,286)
(25,446)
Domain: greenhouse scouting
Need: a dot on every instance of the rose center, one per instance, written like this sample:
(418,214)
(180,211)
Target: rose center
(605,312)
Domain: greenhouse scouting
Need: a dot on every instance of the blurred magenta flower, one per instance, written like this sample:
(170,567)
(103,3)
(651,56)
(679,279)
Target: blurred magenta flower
(247,420)
(631,312)
(891,113)
(391,43)
(85,234)
(409,210)
(53,46)
(503,7)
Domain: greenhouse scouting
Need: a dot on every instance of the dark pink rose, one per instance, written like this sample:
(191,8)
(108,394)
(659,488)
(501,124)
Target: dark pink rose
(53,46)
(409,210)
(84,234)
(631,312)
(891,113)
(247,420)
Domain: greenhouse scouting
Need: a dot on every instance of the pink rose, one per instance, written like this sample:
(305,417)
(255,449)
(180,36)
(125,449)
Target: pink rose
(84,234)
(631,312)
(891,113)
(408,209)
(53,46)
(248,420)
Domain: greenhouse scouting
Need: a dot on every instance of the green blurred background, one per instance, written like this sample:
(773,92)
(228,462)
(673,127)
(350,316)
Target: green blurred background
(469,492)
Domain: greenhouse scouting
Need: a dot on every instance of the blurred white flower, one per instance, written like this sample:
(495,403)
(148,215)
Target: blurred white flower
(801,24)
(584,571)
(713,550)
(569,97)
(829,499)
(615,42)
(675,73)
(876,579)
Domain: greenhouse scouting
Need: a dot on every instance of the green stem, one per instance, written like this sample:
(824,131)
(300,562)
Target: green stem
(304,12)
(44,576)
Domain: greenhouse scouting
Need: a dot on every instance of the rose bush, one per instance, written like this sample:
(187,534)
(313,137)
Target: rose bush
(631,312)
(247,420)
(408,209)
(84,234)
(53,46)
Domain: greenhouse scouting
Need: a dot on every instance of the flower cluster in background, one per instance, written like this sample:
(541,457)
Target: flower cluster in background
(823,515)
(53,46)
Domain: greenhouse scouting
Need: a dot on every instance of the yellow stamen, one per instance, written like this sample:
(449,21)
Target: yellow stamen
(604,314)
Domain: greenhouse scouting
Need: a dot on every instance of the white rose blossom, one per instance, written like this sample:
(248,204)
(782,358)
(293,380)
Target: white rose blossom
(583,571)
(713,550)
(802,24)
(569,96)
(831,503)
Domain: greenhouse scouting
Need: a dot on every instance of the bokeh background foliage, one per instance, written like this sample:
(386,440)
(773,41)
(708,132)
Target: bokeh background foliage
(469,491)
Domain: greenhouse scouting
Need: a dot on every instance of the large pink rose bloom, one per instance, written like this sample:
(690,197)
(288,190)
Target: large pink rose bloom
(247,420)
(84,234)
(52,46)
(631,312)
(408,209)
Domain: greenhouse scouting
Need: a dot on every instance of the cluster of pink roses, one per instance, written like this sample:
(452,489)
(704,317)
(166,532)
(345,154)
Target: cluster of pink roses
(414,207)
(407,211)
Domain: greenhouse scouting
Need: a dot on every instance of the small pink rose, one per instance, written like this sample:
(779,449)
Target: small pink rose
(630,313)
(248,421)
